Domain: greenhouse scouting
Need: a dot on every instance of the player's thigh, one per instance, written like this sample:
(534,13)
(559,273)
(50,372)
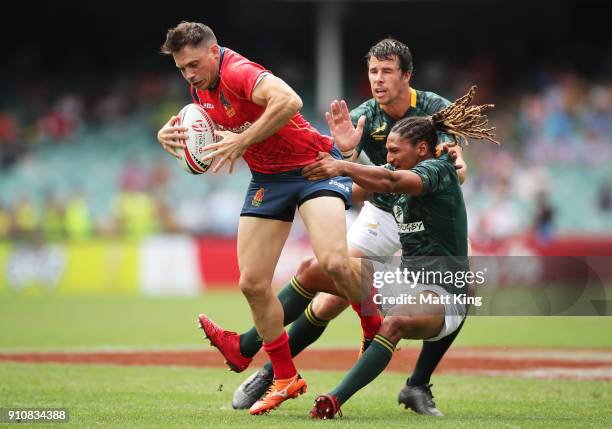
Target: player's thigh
(374,233)
(312,278)
(420,320)
(327,306)
(260,242)
(325,222)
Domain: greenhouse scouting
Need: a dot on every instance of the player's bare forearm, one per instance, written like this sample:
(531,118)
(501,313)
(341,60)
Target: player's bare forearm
(380,179)
(370,178)
(281,103)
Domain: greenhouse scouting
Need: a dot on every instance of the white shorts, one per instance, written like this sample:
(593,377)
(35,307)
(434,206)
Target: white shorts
(454,313)
(374,232)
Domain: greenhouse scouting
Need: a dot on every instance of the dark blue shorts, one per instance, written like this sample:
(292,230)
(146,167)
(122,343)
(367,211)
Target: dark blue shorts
(276,196)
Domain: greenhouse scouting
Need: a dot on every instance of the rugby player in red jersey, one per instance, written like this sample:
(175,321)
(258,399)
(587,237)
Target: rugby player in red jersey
(258,115)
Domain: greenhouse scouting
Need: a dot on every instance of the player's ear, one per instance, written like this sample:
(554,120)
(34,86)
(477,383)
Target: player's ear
(214,50)
(422,148)
(406,77)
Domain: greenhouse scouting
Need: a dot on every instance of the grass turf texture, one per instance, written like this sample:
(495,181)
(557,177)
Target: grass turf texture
(57,322)
(113,396)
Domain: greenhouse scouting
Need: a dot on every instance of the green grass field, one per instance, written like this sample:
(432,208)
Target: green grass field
(114,396)
(122,397)
(59,322)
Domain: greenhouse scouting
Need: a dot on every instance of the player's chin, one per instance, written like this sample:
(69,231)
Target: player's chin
(381,99)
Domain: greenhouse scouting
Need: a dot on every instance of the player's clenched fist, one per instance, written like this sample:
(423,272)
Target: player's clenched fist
(171,137)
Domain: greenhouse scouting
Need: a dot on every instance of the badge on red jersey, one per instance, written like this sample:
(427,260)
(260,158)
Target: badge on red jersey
(229,110)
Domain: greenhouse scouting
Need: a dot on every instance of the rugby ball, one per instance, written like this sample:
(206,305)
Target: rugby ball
(200,133)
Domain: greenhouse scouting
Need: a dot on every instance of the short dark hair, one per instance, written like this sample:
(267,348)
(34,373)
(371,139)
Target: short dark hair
(186,33)
(388,48)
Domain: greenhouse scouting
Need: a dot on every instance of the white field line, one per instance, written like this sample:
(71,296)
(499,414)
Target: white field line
(575,355)
(603,373)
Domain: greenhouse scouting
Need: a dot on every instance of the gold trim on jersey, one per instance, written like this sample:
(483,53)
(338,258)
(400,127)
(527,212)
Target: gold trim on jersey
(413,97)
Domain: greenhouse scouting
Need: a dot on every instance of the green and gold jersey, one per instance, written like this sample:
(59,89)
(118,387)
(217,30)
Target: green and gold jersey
(433,226)
(378,125)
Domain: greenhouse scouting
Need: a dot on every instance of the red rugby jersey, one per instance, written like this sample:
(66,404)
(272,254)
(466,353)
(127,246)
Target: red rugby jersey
(229,104)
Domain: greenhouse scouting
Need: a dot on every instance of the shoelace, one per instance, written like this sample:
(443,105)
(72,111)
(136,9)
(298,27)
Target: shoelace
(257,380)
(427,388)
(268,391)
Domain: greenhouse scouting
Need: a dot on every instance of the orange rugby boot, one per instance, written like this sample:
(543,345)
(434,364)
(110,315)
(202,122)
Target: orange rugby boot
(279,392)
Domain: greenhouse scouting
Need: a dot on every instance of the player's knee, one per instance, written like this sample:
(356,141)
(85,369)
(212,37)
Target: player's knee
(308,264)
(394,328)
(328,307)
(333,265)
(252,287)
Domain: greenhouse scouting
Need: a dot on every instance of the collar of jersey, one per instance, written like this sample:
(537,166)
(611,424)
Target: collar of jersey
(413,103)
(221,53)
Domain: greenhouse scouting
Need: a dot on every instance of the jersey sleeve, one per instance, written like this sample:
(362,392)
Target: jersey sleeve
(434,104)
(241,77)
(435,173)
(356,113)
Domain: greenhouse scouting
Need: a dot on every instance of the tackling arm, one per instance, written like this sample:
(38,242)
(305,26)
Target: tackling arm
(370,178)
(380,179)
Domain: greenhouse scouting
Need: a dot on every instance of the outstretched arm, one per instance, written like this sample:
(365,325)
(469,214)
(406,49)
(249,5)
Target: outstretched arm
(370,178)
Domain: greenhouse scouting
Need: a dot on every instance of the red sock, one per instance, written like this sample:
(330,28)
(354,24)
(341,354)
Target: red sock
(280,356)
(368,314)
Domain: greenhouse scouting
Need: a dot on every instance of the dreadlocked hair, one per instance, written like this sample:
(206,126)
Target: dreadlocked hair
(465,121)
(458,119)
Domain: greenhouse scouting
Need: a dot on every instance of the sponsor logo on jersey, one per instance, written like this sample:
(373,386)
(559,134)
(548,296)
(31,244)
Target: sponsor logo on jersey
(236,130)
(409,228)
(258,198)
(339,185)
(380,129)
(208,106)
(229,110)
(371,228)
(398,213)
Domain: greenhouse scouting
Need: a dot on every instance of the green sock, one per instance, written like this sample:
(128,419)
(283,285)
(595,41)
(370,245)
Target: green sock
(431,354)
(303,332)
(294,299)
(371,363)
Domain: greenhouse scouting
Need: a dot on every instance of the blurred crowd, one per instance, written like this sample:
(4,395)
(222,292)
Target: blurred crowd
(554,159)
